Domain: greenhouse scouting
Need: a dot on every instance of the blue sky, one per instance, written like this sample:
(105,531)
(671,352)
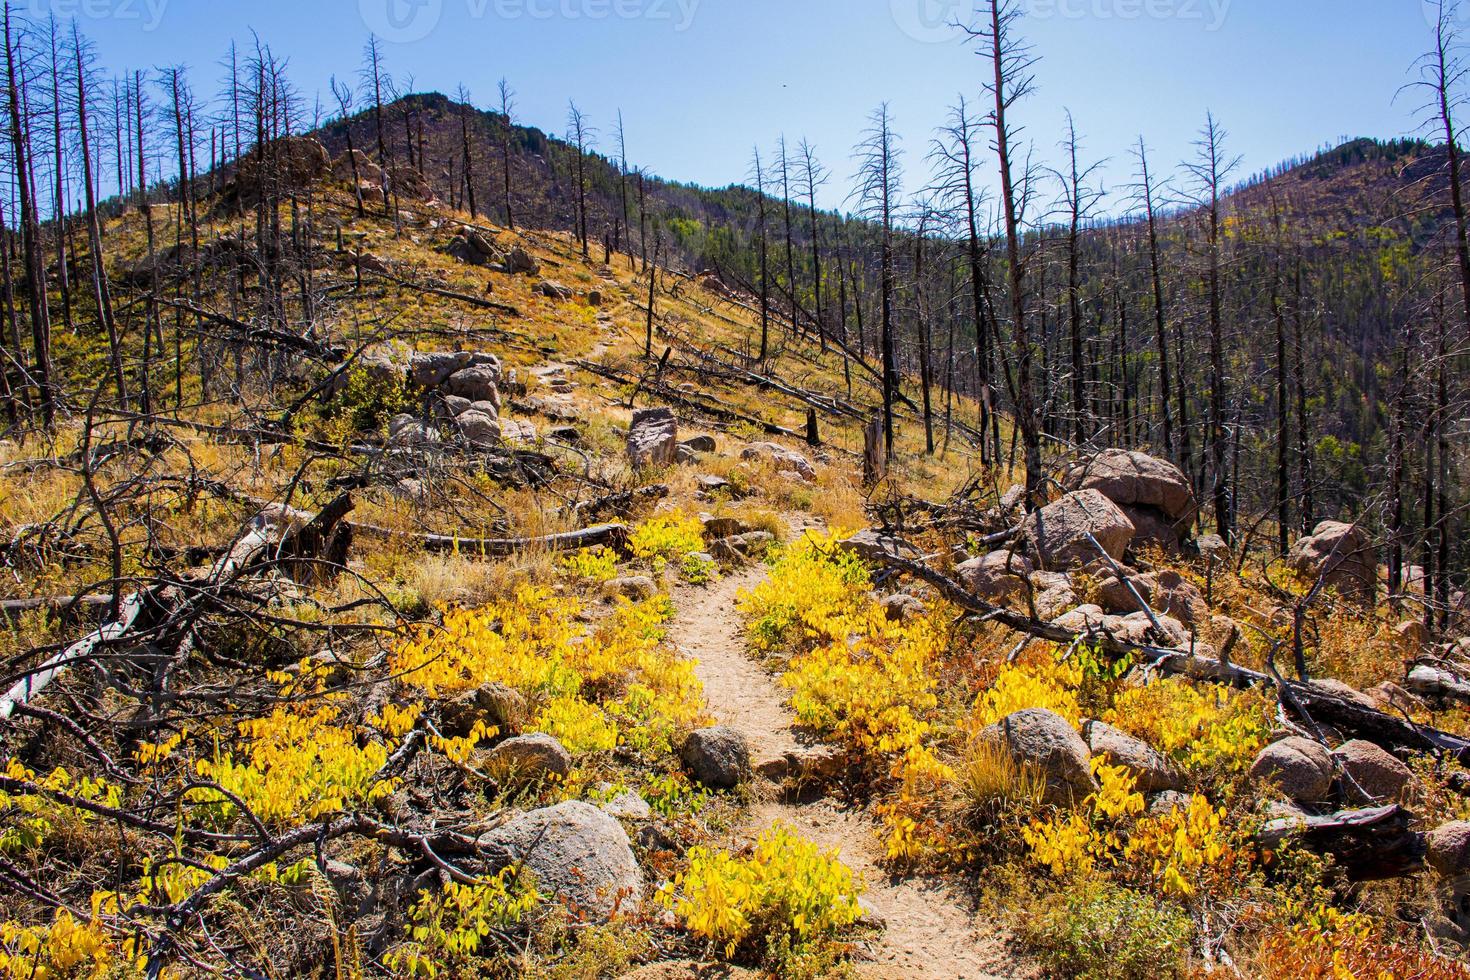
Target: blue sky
(701,81)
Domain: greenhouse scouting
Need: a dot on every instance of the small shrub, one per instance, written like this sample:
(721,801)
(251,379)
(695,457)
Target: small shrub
(1206,729)
(1096,930)
(785,895)
(449,927)
(593,565)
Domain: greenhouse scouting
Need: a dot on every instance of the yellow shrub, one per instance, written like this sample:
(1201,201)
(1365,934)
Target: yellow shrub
(1046,684)
(1076,842)
(67,950)
(450,926)
(1202,728)
(787,889)
(595,564)
(815,593)
(667,538)
(1179,850)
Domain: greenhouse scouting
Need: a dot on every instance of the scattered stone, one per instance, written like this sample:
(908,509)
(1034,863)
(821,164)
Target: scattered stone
(1388,696)
(479,429)
(1342,555)
(577,853)
(1371,769)
(872,546)
(1343,692)
(715,484)
(526,759)
(1299,767)
(783,459)
(903,608)
(743,547)
(700,444)
(635,587)
(721,527)
(1166,802)
(552,290)
(806,766)
(1212,548)
(652,438)
(1412,636)
(1045,740)
(1448,848)
(1154,771)
(716,757)
(518,261)
(501,707)
(1059,531)
(628,805)
(996,576)
(407,432)
(480,383)
(514,431)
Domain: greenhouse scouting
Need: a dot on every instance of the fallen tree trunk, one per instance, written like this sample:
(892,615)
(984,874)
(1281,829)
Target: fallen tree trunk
(1389,731)
(476,301)
(619,503)
(1369,845)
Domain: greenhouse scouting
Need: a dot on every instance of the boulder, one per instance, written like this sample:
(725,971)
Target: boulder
(474,248)
(369,175)
(1153,770)
(635,587)
(1154,490)
(407,432)
(783,459)
(519,262)
(742,547)
(1448,848)
(526,759)
(1166,802)
(716,757)
(1372,770)
(552,290)
(716,527)
(594,297)
(479,428)
(480,383)
(901,608)
(1059,531)
(873,545)
(700,444)
(996,576)
(1212,548)
(653,438)
(1044,740)
(1176,596)
(431,369)
(1299,767)
(502,708)
(578,854)
(1342,555)
(628,805)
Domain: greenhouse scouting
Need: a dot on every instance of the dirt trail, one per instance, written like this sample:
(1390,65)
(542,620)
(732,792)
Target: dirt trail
(930,934)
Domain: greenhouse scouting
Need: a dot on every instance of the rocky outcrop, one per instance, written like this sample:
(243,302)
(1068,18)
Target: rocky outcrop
(578,854)
(552,290)
(997,576)
(1044,741)
(653,438)
(1154,493)
(1342,555)
(716,757)
(742,547)
(1059,532)
(784,460)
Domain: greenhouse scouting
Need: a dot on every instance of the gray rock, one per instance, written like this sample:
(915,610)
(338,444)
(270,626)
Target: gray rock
(872,545)
(1448,848)
(1136,479)
(700,444)
(565,433)
(578,854)
(1059,531)
(1341,554)
(479,429)
(635,587)
(431,369)
(1371,769)
(1299,767)
(518,261)
(480,383)
(902,608)
(1212,548)
(721,526)
(716,757)
(526,759)
(552,289)
(501,707)
(653,438)
(407,432)
(743,547)
(1044,739)
(996,576)
(783,459)
(1153,770)
(1167,801)
(628,805)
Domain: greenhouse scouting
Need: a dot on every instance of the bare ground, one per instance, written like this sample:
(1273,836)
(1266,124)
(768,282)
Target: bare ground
(930,933)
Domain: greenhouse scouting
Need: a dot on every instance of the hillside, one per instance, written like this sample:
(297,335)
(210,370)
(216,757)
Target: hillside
(413,633)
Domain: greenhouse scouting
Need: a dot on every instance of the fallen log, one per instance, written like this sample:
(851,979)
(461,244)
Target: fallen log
(11,608)
(1393,733)
(619,503)
(1369,845)
(476,301)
